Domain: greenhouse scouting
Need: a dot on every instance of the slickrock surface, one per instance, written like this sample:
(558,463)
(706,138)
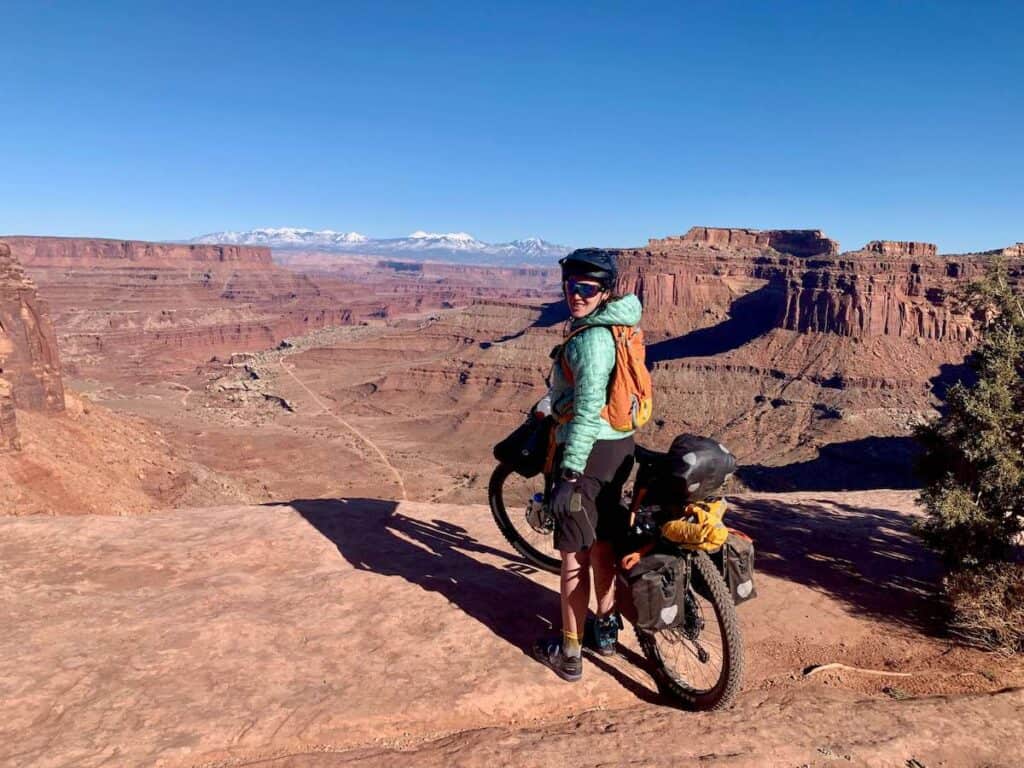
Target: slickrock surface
(362,632)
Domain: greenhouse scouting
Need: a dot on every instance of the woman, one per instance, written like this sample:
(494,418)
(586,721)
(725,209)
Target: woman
(592,460)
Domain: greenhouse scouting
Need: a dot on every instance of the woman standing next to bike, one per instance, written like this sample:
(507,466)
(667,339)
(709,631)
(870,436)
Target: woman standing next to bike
(592,460)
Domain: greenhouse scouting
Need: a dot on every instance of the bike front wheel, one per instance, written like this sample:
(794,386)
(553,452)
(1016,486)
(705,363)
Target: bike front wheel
(701,662)
(509,494)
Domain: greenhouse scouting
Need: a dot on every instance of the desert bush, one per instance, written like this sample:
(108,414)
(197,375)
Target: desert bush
(972,464)
(987,605)
(972,461)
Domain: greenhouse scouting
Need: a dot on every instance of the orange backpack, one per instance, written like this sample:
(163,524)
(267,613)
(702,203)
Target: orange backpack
(630,399)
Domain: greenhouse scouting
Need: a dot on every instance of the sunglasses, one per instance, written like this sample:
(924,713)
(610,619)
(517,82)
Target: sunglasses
(583,290)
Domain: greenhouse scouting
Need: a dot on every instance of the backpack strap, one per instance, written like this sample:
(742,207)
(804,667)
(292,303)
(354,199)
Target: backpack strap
(566,370)
(567,373)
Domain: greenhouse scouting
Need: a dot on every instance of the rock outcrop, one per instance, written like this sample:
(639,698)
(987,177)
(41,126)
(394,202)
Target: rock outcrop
(796,242)
(28,346)
(902,248)
(888,288)
(8,421)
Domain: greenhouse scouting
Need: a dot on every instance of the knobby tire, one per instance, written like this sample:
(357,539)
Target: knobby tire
(496,497)
(709,584)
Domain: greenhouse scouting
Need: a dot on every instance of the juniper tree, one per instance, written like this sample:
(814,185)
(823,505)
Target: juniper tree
(973,454)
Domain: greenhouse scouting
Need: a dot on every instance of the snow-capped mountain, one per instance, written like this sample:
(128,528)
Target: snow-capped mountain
(420,245)
(283,237)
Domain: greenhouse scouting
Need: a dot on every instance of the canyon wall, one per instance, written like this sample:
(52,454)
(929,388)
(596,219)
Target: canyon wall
(86,251)
(887,288)
(797,242)
(131,309)
(30,374)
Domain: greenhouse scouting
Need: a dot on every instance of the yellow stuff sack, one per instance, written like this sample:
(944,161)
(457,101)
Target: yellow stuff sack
(700,526)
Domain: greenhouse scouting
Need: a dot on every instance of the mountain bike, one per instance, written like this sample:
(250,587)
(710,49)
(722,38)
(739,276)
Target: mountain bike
(699,662)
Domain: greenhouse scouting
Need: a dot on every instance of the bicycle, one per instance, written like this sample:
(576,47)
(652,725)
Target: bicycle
(700,661)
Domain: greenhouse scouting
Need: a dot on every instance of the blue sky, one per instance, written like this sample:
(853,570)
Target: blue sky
(583,123)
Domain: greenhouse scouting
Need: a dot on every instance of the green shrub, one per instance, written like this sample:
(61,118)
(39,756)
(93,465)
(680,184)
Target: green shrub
(972,461)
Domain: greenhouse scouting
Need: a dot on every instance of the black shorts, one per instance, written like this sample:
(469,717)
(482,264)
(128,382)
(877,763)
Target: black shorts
(602,516)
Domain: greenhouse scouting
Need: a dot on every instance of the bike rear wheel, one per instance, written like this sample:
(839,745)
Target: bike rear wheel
(509,494)
(701,662)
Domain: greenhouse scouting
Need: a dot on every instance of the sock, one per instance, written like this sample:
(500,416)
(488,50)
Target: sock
(571,645)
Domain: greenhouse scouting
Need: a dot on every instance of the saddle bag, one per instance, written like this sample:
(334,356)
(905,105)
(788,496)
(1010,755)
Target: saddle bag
(658,586)
(526,448)
(736,559)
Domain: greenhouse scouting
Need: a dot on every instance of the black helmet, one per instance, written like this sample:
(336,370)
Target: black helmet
(595,263)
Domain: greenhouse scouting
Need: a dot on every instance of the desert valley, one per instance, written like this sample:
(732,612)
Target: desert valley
(245,522)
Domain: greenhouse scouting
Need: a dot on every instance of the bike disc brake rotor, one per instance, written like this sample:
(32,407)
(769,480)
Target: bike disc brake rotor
(538,518)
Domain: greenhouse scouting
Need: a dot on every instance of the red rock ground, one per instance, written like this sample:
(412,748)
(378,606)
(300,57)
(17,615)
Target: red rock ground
(332,632)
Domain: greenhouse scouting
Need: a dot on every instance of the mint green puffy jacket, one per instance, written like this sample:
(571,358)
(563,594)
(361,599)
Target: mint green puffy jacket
(591,358)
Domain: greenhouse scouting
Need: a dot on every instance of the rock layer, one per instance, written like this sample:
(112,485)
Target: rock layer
(902,248)
(797,242)
(28,345)
(77,251)
(886,289)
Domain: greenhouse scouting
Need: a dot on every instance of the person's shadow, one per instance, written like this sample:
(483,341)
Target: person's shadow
(437,556)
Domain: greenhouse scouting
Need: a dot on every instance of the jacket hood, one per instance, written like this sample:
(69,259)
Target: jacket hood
(624,311)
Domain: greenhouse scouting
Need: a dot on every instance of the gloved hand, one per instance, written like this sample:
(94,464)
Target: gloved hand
(565,497)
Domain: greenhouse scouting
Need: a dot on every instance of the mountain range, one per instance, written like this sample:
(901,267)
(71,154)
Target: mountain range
(457,247)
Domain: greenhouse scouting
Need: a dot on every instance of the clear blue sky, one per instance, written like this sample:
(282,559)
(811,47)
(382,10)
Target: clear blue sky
(587,123)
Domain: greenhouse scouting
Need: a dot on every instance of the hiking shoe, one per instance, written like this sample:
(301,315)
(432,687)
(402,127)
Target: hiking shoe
(601,633)
(548,651)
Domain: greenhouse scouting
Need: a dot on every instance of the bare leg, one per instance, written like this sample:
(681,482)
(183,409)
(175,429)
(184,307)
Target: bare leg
(602,560)
(575,591)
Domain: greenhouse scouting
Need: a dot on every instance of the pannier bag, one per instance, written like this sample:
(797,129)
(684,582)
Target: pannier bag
(526,449)
(737,564)
(698,467)
(658,585)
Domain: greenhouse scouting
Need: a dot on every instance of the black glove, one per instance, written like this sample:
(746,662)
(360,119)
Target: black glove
(565,496)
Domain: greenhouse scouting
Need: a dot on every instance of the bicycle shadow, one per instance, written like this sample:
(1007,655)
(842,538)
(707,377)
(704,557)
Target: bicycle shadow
(437,556)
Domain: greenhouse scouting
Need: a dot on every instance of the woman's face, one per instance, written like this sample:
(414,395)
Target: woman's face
(583,295)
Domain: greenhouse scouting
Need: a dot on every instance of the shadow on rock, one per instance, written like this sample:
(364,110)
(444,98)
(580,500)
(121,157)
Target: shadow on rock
(551,314)
(856,465)
(953,373)
(868,558)
(750,316)
(436,556)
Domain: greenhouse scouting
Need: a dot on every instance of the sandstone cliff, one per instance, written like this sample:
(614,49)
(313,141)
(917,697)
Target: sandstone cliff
(28,345)
(798,242)
(802,284)
(84,251)
(901,248)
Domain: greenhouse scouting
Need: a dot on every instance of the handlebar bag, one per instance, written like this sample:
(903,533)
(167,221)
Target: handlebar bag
(526,448)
